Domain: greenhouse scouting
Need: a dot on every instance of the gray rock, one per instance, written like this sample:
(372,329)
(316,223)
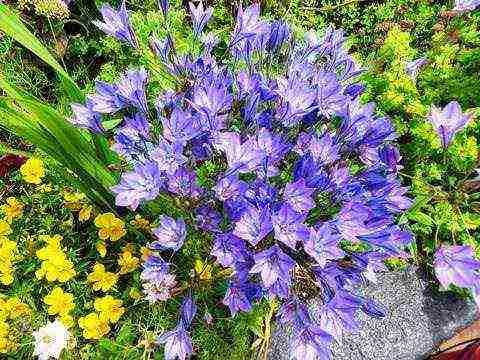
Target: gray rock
(417,321)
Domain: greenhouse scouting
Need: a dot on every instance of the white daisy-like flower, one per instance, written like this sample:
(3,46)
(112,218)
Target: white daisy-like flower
(50,340)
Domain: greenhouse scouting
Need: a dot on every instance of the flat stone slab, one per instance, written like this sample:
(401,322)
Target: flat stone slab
(417,321)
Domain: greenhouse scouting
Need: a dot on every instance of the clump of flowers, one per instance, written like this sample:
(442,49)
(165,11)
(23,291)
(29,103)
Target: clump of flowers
(8,254)
(12,209)
(307,174)
(50,340)
(10,309)
(55,264)
(33,171)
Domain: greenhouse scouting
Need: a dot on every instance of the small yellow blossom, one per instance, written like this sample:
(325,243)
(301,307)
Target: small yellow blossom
(140,223)
(85,212)
(8,251)
(33,171)
(110,227)
(13,308)
(11,209)
(127,262)
(10,309)
(74,200)
(102,249)
(5,229)
(110,309)
(101,279)
(93,326)
(5,343)
(59,302)
(67,320)
(55,264)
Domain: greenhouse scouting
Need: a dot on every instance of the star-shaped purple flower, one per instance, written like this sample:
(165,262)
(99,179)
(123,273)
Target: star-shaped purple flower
(170,234)
(456,265)
(253,225)
(449,121)
(289,227)
(117,24)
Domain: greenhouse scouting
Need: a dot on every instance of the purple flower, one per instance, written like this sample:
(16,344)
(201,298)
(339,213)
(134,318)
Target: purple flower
(390,156)
(131,89)
(449,121)
(254,225)
(84,117)
(322,245)
(297,99)
(178,344)
(207,218)
(273,265)
(228,249)
(338,315)
(116,23)
(412,67)
(200,16)
(288,226)
(272,149)
(324,150)
(311,343)
(184,183)
(239,296)
(241,157)
(180,127)
(248,24)
(330,96)
(187,311)
(169,156)
(279,34)
(456,265)
(144,183)
(163,5)
(106,100)
(210,101)
(229,187)
(157,282)
(466,5)
(170,234)
(299,196)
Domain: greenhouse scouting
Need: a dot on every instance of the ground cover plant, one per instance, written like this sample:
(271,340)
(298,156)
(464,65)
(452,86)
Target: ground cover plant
(255,186)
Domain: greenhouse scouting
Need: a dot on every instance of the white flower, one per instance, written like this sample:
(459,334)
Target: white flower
(50,340)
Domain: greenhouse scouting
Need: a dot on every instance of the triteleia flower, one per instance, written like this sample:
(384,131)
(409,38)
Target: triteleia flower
(188,310)
(449,121)
(101,279)
(84,117)
(289,227)
(143,183)
(117,24)
(178,344)
(170,234)
(110,227)
(131,89)
(456,265)
(412,67)
(311,343)
(33,171)
(157,280)
(200,16)
(50,340)
(322,245)
(299,196)
(109,308)
(93,326)
(163,5)
(466,5)
(254,225)
(12,209)
(59,302)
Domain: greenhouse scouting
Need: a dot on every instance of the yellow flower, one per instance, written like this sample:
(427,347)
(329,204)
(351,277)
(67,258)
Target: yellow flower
(101,279)
(85,212)
(33,171)
(8,251)
(110,227)
(102,249)
(140,223)
(5,343)
(67,320)
(127,262)
(5,229)
(59,302)
(55,264)
(93,326)
(15,308)
(110,309)
(11,209)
